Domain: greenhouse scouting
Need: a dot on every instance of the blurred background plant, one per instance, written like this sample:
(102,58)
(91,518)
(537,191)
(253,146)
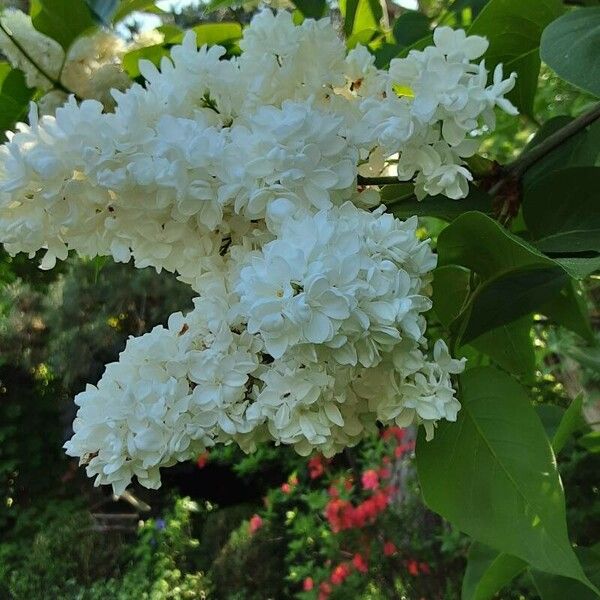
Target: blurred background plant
(230,526)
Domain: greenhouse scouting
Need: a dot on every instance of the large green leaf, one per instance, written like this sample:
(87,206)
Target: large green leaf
(359,15)
(577,267)
(558,225)
(479,243)
(126,7)
(475,5)
(515,278)
(311,9)
(505,298)
(553,587)
(569,309)
(580,150)
(153,53)
(570,46)
(488,571)
(408,29)
(405,205)
(510,345)
(14,96)
(62,20)
(223,33)
(571,422)
(493,475)
(514,29)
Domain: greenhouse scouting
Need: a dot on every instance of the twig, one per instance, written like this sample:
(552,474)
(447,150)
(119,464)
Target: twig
(384,180)
(516,169)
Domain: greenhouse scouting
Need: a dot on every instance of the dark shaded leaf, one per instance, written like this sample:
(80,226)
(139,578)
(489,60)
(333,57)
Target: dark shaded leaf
(311,9)
(562,211)
(14,97)
(62,20)
(488,571)
(570,47)
(507,297)
(404,205)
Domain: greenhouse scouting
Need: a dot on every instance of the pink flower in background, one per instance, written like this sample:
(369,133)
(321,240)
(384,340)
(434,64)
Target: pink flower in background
(370,480)
(360,564)
(389,548)
(308,584)
(256,523)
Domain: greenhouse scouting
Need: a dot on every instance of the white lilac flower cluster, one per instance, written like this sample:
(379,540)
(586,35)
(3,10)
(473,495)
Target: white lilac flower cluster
(91,68)
(309,341)
(240,175)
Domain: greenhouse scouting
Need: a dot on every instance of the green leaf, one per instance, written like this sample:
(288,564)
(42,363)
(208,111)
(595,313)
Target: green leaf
(126,7)
(222,33)
(475,5)
(103,10)
(451,288)
(479,243)
(62,20)
(571,422)
(580,150)
(569,310)
(514,29)
(311,9)
(403,206)
(558,225)
(14,96)
(152,53)
(516,277)
(507,297)
(550,415)
(591,441)
(577,267)
(553,587)
(510,346)
(409,28)
(359,15)
(488,571)
(570,47)
(492,474)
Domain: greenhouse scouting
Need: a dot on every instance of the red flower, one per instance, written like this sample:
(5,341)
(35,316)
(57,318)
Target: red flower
(324,591)
(360,564)
(255,523)
(308,584)
(286,488)
(340,514)
(370,480)
(394,432)
(384,473)
(202,460)
(316,468)
(340,573)
(412,566)
(389,549)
